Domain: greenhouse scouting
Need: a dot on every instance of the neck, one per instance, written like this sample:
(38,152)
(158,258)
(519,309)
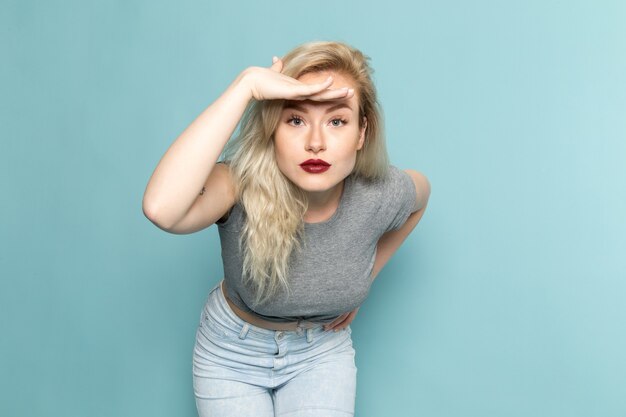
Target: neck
(322,204)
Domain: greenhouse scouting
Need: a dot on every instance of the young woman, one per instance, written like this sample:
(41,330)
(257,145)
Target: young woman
(308,211)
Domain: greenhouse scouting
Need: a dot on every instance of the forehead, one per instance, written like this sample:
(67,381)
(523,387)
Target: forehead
(327,106)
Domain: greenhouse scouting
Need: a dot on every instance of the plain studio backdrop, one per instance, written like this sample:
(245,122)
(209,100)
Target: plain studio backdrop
(506,300)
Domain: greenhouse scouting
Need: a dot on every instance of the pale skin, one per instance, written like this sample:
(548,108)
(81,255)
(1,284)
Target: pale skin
(172,200)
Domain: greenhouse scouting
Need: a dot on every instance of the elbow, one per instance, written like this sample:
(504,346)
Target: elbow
(149,212)
(152,213)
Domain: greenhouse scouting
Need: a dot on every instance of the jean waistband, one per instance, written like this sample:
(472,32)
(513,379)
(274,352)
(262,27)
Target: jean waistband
(251,319)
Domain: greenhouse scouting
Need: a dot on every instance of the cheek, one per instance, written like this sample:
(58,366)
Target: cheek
(278,142)
(281,153)
(282,138)
(346,159)
(350,145)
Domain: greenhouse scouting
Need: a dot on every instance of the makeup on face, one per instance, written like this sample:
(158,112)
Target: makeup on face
(316,141)
(315,166)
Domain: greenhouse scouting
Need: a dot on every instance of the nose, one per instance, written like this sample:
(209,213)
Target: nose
(315,141)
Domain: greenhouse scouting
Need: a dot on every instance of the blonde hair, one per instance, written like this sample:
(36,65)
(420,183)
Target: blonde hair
(274,206)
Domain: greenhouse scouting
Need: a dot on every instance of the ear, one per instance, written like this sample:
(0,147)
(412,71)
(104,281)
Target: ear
(362,134)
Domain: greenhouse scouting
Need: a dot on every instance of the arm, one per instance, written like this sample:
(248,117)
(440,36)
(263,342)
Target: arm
(189,163)
(174,199)
(391,241)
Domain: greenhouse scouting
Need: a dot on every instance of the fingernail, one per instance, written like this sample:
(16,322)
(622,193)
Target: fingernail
(274,59)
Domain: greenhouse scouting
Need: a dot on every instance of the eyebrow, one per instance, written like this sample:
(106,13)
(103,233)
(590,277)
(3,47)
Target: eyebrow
(304,110)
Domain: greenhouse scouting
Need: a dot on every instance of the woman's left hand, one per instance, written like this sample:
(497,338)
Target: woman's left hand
(342,321)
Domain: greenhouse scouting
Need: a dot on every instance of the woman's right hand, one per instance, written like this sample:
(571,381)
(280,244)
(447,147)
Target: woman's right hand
(271,84)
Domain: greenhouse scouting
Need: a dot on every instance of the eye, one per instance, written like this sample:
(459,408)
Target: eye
(295,120)
(338,122)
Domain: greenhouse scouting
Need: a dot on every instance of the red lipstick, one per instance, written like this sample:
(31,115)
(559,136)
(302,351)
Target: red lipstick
(315,166)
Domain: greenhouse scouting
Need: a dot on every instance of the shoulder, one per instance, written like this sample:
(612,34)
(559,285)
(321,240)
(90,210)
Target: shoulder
(382,183)
(395,178)
(408,185)
(415,175)
(383,190)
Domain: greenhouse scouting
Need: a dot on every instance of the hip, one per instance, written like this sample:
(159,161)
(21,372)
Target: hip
(229,347)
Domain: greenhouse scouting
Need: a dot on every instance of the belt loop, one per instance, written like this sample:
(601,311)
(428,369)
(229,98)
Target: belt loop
(309,335)
(244,331)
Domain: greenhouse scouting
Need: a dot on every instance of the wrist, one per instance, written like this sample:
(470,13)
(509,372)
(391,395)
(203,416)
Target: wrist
(243,84)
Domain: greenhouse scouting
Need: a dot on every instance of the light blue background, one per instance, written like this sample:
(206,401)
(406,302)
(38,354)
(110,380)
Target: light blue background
(507,299)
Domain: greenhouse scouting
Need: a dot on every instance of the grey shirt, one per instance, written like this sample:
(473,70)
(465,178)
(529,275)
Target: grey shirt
(332,274)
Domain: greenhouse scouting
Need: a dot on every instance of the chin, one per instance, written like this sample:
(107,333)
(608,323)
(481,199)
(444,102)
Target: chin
(313,187)
(320,185)
(314,182)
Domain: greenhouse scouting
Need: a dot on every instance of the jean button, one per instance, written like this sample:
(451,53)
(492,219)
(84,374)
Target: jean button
(279,336)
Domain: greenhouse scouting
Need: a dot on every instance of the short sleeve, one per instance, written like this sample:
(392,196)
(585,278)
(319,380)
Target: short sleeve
(224,219)
(399,199)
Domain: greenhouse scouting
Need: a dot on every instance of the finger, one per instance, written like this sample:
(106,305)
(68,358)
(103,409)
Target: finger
(341,325)
(347,320)
(344,323)
(308,90)
(277,64)
(332,94)
(336,321)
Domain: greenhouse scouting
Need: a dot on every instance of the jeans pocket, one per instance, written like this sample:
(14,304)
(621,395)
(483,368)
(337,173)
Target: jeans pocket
(216,328)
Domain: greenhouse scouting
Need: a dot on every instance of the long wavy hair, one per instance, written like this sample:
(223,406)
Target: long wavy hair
(274,207)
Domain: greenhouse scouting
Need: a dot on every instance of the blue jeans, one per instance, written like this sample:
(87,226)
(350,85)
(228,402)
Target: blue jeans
(243,370)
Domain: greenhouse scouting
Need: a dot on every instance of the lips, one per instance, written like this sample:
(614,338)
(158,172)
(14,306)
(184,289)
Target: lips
(315,162)
(315,166)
